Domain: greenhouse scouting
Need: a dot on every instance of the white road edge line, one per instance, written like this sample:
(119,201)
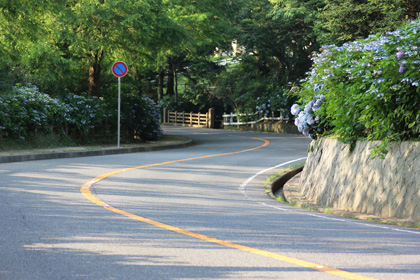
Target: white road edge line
(244,184)
(367,224)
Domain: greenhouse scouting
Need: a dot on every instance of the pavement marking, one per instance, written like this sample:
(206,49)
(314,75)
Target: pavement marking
(244,184)
(366,224)
(85,189)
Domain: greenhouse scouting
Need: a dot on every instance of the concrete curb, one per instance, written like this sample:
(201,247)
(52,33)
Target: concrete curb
(278,183)
(101,152)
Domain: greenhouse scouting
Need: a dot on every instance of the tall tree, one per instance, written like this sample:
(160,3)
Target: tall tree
(281,39)
(23,23)
(347,20)
(207,25)
(72,40)
(96,28)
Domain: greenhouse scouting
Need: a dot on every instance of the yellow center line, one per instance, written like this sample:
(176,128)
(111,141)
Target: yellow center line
(87,193)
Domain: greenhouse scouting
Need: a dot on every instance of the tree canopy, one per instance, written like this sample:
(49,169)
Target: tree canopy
(66,47)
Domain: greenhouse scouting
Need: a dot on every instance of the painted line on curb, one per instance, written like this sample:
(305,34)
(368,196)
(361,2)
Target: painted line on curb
(85,190)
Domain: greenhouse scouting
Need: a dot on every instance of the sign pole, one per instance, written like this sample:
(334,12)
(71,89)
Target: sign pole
(119,110)
(119,69)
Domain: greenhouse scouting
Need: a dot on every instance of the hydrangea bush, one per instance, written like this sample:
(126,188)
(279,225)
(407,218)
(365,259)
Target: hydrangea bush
(25,112)
(369,90)
(83,113)
(274,104)
(141,115)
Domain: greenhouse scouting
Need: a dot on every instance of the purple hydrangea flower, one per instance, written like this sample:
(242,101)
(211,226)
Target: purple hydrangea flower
(401,69)
(400,54)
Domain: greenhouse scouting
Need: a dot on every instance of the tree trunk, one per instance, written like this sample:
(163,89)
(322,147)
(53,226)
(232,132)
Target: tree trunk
(170,84)
(138,79)
(160,84)
(176,83)
(95,67)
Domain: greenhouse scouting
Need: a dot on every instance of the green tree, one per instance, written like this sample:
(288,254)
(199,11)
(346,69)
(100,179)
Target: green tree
(22,24)
(346,20)
(93,29)
(72,41)
(278,42)
(339,21)
(207,26)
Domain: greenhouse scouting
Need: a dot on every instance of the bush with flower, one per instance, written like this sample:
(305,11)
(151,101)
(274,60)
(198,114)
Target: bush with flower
(307,121)
(83,113)
(25,112)
(273,103)
(141,115)
(369,88)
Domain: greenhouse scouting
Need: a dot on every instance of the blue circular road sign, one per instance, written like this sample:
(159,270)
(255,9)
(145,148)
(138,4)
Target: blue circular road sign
(119,69)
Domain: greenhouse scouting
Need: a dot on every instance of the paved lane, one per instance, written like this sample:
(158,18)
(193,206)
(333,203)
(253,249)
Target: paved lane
(49,230)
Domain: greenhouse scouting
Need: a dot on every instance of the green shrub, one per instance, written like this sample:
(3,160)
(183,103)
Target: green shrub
(141,115)
(25,113)
(83,113)
(369,89)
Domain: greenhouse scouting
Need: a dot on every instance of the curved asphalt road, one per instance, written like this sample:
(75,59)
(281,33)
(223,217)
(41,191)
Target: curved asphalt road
(193,213)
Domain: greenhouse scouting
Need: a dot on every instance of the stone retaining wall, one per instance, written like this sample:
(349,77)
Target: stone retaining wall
(352,181)
(276,127)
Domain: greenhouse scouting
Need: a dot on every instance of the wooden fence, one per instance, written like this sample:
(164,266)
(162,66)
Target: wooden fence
(189,119)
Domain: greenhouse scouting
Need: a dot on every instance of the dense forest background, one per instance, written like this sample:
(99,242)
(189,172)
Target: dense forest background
(179,52)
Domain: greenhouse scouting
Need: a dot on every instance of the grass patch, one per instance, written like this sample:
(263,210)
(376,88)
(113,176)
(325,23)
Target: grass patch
(278,174)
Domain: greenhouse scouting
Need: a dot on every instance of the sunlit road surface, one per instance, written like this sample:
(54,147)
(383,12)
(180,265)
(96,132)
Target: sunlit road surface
(193,213)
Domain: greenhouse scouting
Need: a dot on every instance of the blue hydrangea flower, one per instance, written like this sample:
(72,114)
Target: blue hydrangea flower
(308,107)
(295,109)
